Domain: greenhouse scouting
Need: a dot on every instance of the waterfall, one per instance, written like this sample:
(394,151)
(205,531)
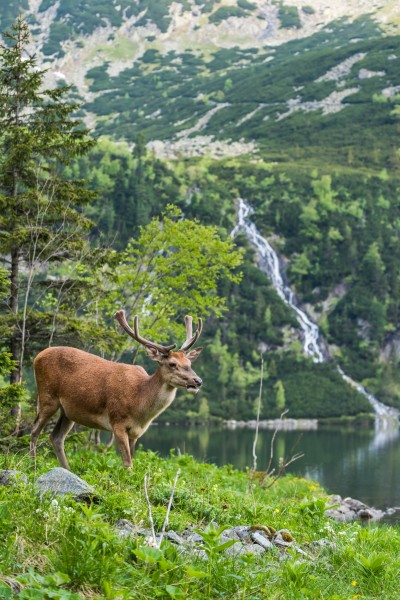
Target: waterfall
(269,263)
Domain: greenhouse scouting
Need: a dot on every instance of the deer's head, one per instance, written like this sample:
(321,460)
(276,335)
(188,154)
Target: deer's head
(175,367)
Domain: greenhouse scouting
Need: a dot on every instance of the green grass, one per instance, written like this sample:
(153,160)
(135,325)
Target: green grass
(56,548)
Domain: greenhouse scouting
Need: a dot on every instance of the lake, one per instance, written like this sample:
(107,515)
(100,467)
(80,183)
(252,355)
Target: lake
(363,463)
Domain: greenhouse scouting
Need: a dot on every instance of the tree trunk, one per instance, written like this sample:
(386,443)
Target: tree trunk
(15,347)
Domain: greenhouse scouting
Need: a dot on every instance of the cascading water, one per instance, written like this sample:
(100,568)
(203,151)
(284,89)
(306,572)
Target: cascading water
(269,263)
(313,346)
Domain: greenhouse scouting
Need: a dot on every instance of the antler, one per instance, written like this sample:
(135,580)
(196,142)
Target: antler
(121,318)
(191,340)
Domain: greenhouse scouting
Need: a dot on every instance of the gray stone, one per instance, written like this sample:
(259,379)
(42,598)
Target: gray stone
(351,509)
(260,538)
(192,550)
(11,476)
(240,532)
(392,511)
(279,540)
(192,537)
(241,549)
(354,504)
(174,537)
(60,482)
(341,515)
(370,514)
(323,543)
(126,528)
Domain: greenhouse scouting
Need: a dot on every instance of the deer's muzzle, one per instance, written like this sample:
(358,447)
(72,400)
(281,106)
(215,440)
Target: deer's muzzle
(194,387)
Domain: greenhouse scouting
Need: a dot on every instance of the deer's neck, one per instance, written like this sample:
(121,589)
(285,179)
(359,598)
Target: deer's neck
(160,394)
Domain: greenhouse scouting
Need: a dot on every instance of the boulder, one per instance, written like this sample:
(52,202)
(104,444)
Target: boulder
(260,538)
(351,509)
(11,476)
(61,482)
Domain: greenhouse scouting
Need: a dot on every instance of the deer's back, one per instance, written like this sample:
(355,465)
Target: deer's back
(85,384)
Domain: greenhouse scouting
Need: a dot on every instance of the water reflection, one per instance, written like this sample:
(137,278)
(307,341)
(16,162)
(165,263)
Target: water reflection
(362,463)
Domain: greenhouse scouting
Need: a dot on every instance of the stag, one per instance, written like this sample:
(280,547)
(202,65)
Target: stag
(110,396)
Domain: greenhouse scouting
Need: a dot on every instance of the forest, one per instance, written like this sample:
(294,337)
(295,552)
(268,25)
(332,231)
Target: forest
(91,224)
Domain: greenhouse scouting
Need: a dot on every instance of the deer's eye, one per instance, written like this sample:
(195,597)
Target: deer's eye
(172,365)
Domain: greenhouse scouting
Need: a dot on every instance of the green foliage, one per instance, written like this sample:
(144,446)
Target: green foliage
(165,101)
(224,12)
(41,213)
(373,565)
(173,268)
(289,16)
(246,5)
(56,548)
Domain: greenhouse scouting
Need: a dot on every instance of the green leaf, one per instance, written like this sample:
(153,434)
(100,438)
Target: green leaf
(195,573)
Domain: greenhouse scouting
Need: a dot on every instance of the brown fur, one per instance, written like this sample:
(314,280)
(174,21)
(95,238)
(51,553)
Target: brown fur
(105,395)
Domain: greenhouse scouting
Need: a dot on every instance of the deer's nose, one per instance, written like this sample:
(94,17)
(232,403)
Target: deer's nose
(198,381)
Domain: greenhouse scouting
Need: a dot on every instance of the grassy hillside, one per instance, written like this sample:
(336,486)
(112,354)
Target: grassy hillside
(61,549)
(288,100)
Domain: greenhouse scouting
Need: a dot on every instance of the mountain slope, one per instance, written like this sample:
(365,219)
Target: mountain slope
(290,80)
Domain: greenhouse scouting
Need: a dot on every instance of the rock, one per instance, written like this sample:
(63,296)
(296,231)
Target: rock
(351,509)
(267,529)
(354,504)
(285,535)
(392,511)
(323,543)
(241,549)
(261,538)
(193,550)
(172,536)
(127,528)
(60,482)
(240,532)
(370,514)
(11,476)
(281,537)
(192,537)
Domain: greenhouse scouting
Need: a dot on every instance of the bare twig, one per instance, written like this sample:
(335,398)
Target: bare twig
(166,520)
(284,464)
(271,453)
(271,473)
(258,415)
(153,533)
(154,541)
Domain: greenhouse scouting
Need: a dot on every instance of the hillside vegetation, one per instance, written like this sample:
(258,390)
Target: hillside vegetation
(55,547)
(302,120)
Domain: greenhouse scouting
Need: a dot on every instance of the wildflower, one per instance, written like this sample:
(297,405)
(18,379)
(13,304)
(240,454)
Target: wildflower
(354,583)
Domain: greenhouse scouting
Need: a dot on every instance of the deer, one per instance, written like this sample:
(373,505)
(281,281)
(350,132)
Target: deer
(110,396)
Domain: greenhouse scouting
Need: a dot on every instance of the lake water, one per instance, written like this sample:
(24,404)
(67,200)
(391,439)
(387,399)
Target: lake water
(363,463)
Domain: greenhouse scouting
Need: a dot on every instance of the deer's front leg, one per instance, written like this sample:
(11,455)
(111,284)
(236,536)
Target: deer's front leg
(132,444)
(122,440)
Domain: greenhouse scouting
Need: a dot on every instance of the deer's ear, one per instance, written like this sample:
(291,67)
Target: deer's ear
(193,354)
(154,354)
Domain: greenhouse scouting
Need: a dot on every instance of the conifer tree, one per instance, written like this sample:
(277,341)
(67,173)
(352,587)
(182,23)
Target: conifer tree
(41,216)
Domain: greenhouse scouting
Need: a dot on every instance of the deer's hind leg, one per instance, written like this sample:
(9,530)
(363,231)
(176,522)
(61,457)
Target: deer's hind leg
(58,435)
(47,407)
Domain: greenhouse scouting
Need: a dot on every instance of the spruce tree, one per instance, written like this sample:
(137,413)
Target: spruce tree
(41,216)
